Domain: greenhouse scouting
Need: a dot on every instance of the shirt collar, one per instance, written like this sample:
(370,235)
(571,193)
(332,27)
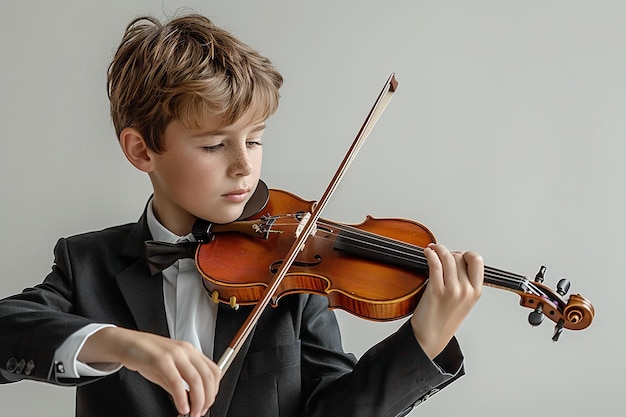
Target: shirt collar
(160,233)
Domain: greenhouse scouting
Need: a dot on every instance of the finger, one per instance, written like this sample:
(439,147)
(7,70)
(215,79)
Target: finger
(448,264)
(208,381)
(435,269)
(475,269)
(196,394)
(213,384)
(461,266)
(178,389)
(210,374)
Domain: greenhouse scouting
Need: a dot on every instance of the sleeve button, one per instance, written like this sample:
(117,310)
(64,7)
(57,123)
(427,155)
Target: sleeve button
(20,366)
(59,367)
(11,365)
(30,365)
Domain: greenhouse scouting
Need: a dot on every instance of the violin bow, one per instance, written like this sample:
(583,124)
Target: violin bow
(307,225)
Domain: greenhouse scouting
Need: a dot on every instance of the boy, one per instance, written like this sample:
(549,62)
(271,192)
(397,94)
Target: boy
(189,104)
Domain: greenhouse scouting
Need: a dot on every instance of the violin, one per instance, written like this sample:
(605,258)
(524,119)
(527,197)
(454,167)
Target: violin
(376,270)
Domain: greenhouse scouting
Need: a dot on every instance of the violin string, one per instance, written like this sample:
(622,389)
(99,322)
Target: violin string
(415,254)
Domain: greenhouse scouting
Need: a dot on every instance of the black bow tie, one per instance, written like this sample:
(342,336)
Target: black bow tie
(161,255)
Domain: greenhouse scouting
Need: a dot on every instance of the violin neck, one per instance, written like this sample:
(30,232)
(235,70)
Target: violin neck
(411,257)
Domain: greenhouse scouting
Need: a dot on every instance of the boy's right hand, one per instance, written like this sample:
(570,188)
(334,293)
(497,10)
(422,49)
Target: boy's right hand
(166,362)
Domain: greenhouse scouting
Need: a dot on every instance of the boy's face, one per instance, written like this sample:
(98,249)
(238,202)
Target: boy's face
(209,172)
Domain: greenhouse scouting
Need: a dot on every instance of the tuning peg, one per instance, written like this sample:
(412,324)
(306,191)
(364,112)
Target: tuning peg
(558,329)
(535,318)
(541,274)
(563,286)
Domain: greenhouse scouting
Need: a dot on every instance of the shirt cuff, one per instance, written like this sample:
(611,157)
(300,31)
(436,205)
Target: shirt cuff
(450,360)
(65,357)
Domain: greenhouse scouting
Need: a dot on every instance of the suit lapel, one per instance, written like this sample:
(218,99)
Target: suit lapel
(229,322)
(143,293)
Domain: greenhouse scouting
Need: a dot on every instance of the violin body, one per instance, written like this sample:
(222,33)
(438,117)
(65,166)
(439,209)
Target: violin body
(361,279)
(375,270)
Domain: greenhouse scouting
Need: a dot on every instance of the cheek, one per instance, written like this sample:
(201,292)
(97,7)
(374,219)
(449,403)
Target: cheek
(186,172)
(197,173)
(257,160)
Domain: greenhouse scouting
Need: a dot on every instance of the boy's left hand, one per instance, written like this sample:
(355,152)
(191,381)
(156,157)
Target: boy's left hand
(454,286)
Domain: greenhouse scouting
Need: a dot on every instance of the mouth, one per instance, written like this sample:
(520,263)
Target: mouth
(238,195)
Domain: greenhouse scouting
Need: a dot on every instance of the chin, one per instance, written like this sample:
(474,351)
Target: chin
(224,218)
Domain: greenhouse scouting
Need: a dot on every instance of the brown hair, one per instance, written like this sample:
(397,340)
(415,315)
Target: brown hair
(183,70)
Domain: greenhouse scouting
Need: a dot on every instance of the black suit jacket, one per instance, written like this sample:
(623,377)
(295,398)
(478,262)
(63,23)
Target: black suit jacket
(292,365)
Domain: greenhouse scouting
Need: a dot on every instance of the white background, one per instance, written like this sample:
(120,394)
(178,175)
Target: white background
(505,137)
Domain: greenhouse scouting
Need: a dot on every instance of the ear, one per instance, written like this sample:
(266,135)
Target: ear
(136,150)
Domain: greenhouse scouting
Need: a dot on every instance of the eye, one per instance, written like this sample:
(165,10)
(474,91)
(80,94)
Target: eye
(212,148)
(253,143)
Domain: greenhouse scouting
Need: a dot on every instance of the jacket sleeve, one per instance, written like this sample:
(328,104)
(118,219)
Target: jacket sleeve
(36,322)
(388,380)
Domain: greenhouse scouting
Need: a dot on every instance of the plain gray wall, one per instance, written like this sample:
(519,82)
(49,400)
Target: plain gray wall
(505,136)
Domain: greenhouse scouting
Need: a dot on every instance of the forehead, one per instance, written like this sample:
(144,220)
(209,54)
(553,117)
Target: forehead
(214,125)
(206,117)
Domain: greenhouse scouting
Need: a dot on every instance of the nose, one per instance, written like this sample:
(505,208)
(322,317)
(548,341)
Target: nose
(240,162)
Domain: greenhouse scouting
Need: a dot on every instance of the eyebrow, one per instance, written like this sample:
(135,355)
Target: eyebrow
(222,132)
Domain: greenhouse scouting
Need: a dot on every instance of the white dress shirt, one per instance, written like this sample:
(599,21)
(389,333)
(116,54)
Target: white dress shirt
(191,314)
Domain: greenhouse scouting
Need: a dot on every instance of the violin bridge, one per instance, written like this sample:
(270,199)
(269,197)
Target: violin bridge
(303,221)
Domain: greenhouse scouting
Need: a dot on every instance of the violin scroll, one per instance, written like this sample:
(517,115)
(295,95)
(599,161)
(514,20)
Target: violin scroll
(574,314)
